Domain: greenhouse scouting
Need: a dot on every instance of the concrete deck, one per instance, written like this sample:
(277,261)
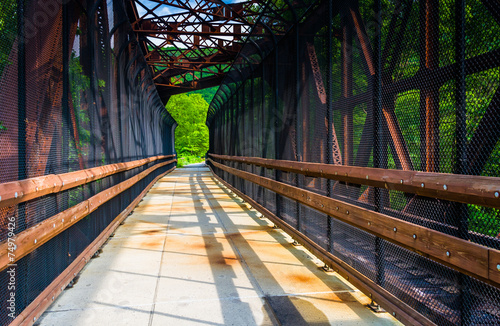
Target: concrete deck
(191,254)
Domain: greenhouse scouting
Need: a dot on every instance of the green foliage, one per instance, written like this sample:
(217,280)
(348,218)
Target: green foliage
(79,83)
(185,160)
(2,127)
(191,134)
(8,30)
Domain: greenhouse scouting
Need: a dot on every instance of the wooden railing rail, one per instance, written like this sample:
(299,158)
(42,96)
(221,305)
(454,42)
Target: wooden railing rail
(470,189)
(15,192)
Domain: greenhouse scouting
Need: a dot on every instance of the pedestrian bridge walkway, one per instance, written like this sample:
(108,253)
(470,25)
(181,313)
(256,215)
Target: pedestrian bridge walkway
(193,253)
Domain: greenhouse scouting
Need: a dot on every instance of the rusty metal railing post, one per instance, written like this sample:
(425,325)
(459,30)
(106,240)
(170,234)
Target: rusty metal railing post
(429,99)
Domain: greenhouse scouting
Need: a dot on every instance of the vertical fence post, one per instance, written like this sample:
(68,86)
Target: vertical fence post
(378,129)
(278,126)
(329,114)
(298,118)
(21,92)
(23,270)
(263,131)
(65,96)
(461,212)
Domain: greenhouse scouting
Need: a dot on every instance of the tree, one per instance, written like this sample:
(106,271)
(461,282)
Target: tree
(8,31)
(191,134)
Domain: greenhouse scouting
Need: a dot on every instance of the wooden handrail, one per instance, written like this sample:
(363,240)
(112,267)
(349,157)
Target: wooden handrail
(469,189)
(15,192)
(32,238)
(464,256)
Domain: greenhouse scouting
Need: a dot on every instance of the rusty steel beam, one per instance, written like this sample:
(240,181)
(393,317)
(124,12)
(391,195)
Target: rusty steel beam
(477,190)
(398,141)
(461,255)
(207,30)
(173,33)
(429,99)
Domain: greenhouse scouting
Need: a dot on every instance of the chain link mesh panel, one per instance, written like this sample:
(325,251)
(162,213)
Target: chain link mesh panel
(313,98)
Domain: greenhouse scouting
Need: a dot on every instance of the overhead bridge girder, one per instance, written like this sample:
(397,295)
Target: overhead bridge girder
(194,43)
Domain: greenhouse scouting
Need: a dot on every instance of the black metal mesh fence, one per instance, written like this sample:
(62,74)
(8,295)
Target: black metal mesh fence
(76,93)
(311,94)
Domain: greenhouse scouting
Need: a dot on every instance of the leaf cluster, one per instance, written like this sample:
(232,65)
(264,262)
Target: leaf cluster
(191,134)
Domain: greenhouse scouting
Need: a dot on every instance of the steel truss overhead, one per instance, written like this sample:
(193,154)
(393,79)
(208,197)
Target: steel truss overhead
(191,45)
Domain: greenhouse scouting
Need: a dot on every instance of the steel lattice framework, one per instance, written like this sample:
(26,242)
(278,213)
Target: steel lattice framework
(191,45)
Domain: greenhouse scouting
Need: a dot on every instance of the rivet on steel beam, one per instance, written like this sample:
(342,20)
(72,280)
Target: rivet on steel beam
(498,267)
(422,185)
(395,230)
(55,185)
(63,220)
(347,212)
(63,183)
(401,181)
(36,241)
(15,195)
(54,225)
(36,188)
(414,236)
(52,298)
(448,254)
(497,194)
(445,187)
